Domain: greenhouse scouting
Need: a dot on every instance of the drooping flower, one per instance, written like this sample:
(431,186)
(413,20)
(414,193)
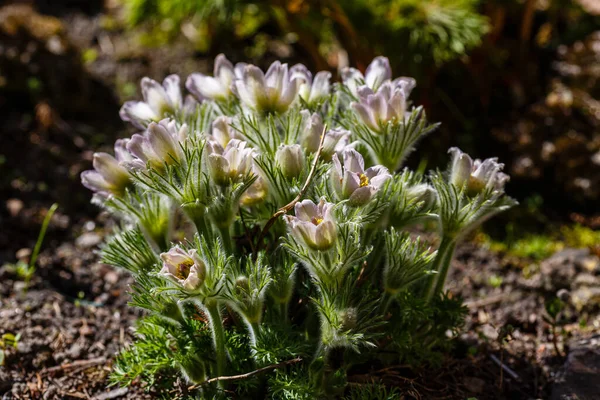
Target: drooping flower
(108,177)
(290,158)
(218,86)
(335,139)
(313,224)
(160,144)
(477,175)
(270,92)
(158,101)
(184,268)
(233,164)
(351,181)
(311,91)
(387,104)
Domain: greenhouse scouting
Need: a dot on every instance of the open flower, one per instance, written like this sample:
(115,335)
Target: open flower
(335,139)
(313,224)
(233,164)
(477,175)
(158,101)
(218,86)
(387,104)
(108,177)
(311,91)
(270,92)
(184,268)
(159,144)
(377,73)
(290,158)
(351,181)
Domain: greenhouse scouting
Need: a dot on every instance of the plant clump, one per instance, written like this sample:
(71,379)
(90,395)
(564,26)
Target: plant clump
(265,219)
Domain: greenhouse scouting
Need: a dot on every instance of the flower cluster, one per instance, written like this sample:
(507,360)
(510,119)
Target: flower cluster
(294,187)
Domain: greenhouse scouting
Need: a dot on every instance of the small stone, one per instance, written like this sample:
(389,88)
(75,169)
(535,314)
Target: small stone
(489,332)
(590,263)
(23,253)
(14,206)
(88,240)
(74,352)
(578,378)
(474,385)
(586,297)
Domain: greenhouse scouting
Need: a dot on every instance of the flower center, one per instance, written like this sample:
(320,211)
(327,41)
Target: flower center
(364,180)
(183,269)
(316,220)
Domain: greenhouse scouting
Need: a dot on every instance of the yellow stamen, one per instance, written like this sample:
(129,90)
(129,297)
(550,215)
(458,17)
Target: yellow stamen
(364,180)
(317,220)
(183,269)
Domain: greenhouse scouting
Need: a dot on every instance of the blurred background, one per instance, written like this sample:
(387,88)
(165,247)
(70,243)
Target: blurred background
(516,79)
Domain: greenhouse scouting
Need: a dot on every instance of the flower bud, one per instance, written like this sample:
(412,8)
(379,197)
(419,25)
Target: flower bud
(109,177)
(477,175)
(290,158)
(233,165)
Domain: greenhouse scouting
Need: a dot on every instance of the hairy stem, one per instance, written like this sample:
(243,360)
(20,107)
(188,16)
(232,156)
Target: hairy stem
(441,264)
(218,337)
(226,238)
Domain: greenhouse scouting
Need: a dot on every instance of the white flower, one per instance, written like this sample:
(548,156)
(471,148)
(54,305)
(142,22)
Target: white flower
(477,175)
(159,144)
(158,101)
(222,132)
(184,268)
(270,92)
(233,164)
(387,104)
(108,177)
(217,87)
(290,158)
(313,224)
(335,139)
(311,91)
(351,181)
(377,73)
(256,193)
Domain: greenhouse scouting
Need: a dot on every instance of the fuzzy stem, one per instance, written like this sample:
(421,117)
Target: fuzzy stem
(441,264)
(283,310)
(254,329)
(218,337)
(226,238)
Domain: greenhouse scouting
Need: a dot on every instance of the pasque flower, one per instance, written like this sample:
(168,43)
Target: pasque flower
(335,139)
(313,224)
(108,177)
(477,175)
(160,144)
(378,72)
(255,194)
(158,101)
(351,181)
(389,103)
(290,158)
(218,86)
(184,268)
(311,91)
(222,132)
(233,164)
(270,92)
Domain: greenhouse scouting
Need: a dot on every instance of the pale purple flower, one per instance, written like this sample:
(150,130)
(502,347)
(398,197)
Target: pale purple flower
(217,87)
(377,73)
(160,144)
(108,177)
(222,131)
(256,193)
(184,268)
(311,91)
(290,158)
(387,104)
(158,101)
(335,139)
(233,164)
(270,92)
(477,175)
(351,181)
(313,224)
